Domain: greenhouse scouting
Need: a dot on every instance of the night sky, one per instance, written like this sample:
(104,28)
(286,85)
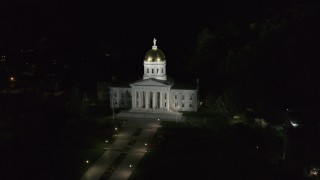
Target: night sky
(73,30)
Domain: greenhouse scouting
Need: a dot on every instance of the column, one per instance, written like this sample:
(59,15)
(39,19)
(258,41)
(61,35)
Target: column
(168,101)
(153,100)
(160,100)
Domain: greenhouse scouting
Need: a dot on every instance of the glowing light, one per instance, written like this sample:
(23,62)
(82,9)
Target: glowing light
(130,165)
(107,141)
(87,161)
(294,124)
(158,59)
(257,147)
(145,144)
(149,58)
(116,129)
(12,79)
(158,119)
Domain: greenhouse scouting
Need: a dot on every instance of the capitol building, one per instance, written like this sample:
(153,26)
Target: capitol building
(154,90)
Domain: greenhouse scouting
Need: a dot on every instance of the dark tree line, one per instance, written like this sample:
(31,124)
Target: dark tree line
(265,65)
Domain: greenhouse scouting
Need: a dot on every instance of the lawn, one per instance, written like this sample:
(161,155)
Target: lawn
(184,151)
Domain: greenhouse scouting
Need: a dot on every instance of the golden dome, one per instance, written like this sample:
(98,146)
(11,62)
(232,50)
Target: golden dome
(154,55)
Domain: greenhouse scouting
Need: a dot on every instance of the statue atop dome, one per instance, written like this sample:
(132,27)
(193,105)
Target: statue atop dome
(154,41)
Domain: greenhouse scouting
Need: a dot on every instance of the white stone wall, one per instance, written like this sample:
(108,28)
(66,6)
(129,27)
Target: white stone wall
(183,100)
(155,70)
(119,97)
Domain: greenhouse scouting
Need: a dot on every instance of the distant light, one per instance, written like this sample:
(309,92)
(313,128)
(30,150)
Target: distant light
(158,59)
(236,117)
(200,103)
(145,144)
(87,161)
(158,119)
(116,129)
(12,79)
(130,165)
(294,124)
(107,141)
(149,58)
(257,147)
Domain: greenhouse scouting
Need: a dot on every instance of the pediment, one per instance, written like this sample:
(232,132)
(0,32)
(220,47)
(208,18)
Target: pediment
(150,82)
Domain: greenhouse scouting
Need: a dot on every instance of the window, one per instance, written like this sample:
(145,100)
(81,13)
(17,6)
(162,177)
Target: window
(115,94)
(152,71)
(148,71)
(157,71)
(191,97)
(137,94)
(161,70)
(175,96)
(182,97)
(175,104)
(182,104)
(165,104)
(165,96)
(190,105)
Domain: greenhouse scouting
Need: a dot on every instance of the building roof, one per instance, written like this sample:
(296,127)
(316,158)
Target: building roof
(169,81)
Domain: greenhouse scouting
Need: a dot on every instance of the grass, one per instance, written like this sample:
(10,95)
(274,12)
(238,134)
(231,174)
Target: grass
(211,150)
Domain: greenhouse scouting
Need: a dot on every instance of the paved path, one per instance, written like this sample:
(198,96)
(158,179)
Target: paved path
(164,115)
(120,145)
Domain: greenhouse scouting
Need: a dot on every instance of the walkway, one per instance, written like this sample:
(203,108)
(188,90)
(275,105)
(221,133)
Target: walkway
(164,115)
(135,151)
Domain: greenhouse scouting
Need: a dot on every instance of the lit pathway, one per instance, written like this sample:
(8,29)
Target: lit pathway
(134,152)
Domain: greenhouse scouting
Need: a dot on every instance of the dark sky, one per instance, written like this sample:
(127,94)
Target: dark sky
(85,23)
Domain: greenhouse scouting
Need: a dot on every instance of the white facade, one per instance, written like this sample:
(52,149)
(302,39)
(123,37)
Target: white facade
(155,90)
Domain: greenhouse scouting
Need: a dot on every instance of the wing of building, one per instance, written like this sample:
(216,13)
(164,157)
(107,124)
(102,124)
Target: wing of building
(155,90)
